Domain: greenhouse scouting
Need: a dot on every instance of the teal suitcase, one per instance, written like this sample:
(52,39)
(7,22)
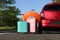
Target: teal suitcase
(22,27)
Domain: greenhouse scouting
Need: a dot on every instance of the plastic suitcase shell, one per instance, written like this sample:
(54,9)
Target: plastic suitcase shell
(33,24)
(22,27)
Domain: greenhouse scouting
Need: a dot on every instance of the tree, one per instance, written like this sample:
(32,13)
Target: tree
(6,3)
(9,16)
(55,0)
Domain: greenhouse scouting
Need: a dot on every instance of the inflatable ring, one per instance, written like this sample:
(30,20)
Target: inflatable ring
(31,13)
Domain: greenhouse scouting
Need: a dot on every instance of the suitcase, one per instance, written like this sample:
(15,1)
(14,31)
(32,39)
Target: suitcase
(33,24)
(22,27)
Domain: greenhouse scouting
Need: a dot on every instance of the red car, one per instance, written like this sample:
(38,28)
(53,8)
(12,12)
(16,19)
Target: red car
(50,15)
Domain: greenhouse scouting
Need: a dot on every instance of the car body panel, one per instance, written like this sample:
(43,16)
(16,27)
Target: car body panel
(51,15)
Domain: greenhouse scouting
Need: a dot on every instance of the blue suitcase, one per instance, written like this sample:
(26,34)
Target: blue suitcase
(22,27)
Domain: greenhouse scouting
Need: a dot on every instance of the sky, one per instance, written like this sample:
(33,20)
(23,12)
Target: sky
(28,5)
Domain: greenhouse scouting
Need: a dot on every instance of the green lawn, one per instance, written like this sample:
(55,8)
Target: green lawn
(6,28)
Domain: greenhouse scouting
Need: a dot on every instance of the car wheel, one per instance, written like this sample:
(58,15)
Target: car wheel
(40,28)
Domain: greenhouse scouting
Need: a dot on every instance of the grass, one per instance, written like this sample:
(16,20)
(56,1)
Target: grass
(7,28)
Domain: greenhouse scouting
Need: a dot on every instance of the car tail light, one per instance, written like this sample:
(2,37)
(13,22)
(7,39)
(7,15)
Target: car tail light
(45,22)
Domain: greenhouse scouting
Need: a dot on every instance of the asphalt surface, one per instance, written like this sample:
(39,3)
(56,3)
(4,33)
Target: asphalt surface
(15,36)
(46,35)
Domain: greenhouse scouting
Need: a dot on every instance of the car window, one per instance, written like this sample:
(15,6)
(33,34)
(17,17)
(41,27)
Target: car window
(52,7)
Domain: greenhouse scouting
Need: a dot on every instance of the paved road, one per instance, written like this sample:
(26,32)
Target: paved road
(46,35)
(15,36)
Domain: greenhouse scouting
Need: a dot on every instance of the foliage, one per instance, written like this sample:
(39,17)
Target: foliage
(55,0)
(8,13)
(6,3)
(9,16)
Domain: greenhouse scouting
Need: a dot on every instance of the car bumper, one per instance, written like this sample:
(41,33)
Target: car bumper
(47,23)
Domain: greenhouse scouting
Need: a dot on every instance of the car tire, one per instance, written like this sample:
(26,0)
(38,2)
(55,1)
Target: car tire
(40,28)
